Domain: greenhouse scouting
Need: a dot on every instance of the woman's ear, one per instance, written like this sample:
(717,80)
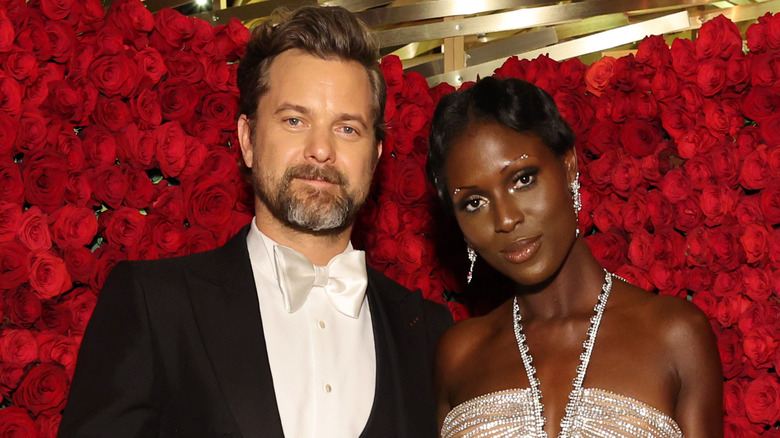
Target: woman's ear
(570,160)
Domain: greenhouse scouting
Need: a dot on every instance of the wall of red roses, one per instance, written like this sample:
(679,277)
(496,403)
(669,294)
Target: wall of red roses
(117,142)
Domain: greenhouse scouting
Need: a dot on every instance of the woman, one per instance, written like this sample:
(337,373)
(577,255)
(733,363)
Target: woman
(503,160)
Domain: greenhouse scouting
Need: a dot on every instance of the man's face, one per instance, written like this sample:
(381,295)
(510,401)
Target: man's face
(312,150)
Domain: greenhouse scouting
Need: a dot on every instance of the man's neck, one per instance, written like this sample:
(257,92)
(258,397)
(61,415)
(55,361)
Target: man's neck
(319,249)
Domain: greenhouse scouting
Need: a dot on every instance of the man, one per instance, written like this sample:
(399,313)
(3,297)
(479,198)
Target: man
(284,331)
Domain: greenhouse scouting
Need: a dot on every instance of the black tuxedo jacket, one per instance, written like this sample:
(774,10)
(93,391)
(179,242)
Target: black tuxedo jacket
(175,348)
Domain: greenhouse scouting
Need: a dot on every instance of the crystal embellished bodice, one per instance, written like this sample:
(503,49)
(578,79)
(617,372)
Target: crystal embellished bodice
(599,413)
(591,413)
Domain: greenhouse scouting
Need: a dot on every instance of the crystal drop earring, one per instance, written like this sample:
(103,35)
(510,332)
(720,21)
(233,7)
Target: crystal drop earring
(473,258)
(577,200)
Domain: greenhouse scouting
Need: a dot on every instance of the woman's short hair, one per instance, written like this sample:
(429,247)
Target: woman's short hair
(514,103)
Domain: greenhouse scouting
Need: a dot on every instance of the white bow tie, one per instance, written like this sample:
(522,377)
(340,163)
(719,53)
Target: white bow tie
(344,279)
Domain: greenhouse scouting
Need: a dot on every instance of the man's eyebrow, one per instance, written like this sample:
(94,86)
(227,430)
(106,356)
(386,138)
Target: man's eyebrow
(353,117)
(289,106)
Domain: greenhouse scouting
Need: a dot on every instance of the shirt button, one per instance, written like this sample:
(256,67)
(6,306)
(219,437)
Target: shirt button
(327,388)
(322,324)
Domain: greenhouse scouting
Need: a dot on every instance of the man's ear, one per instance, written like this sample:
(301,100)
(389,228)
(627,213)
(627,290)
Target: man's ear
(378,156)
(245,140)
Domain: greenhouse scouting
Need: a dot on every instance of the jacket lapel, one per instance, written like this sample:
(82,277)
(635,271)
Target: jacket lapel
(224,300)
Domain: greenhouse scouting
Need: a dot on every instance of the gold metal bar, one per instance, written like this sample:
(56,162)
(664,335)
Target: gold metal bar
(522,19)
(249,11)
(569,49)
(441,8)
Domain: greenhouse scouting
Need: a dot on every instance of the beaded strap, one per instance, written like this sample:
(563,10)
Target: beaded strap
(574,396)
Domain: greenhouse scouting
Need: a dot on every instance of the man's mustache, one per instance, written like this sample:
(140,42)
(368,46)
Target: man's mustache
(309,171)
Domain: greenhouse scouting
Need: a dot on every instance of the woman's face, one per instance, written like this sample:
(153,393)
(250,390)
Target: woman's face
(512,200)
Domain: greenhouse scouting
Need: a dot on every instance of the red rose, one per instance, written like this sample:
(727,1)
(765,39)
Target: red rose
(171,146)
(151,63)
(78,189)
(695,142)
(16,422)
(69,145)
(666,279)
(664,84)
(769,201)
(209,202)
(730,308)
(22,306)
(60,349)
(48,425)
(607,213)
(114,75)
(45,174)
(32,130)
(18,347)
(73,226)
(660,210)
(112,113)
(80,262)
(411,249)
(601,168)
(723,118)
(748,210)
(762,399)
(70,101)
(755,242)
(220,109)
(669,246)
(99,146)
(125,227)
(640,249)
(48,275)
(8,133)
(602,137)
(676,185)
(725,164)
(635,213)
(171,28)
(136,147)
(676,120)
(626,176)
(384,251)
(727,252)
(107,258)
(22,66)
(198,240)
(700,171)
(684,59)
(762,69)
(760,347)
(770,129)
(141,191)
(10,214)
(718,37)
(415,90)
(10,96)
(412,118)
(688,213)
(717,202)
(737,73)
(622,107)
(698,279)
(697,249)
(13,266)
(221,164)
(387,220)
(131,17)
(44,390)
(731,355)
(168,236)
(609,247)
(755,174)
(411,185)
(111,184)
(393,71)
(757,283)
(63,40)
(575,110)
(82,303)
(7,33)
(598,75)
(33,230)
(170,204)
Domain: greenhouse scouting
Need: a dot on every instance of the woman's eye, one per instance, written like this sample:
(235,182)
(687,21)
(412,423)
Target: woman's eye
(524,180)
(472,205)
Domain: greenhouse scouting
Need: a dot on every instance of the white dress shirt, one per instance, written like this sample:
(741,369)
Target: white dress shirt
(323,362)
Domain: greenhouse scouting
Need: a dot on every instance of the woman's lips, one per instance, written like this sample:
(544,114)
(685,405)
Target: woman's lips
(522,250)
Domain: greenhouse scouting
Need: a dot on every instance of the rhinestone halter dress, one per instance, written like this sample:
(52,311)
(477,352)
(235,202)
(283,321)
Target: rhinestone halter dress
(590,412)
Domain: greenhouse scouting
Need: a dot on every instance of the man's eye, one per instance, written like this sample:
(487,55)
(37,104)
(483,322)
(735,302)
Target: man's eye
(292,121)
(349,130)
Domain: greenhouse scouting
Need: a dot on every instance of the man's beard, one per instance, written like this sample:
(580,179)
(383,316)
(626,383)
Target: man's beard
(309,209)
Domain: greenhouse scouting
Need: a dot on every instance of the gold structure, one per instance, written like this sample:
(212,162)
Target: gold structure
(456,40)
